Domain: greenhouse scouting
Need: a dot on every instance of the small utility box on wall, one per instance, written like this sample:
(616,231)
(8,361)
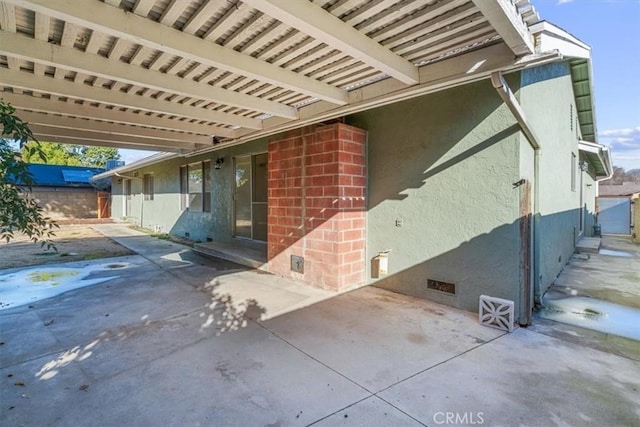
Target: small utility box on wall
(380,265)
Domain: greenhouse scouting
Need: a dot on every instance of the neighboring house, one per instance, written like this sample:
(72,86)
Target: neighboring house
(65,192)
(448,189)
(617,212)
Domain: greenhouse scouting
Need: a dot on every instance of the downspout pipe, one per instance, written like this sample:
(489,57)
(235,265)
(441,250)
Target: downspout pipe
(498,82)
(531,292)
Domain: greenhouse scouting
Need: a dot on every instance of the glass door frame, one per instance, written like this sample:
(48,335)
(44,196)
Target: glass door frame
(251,157)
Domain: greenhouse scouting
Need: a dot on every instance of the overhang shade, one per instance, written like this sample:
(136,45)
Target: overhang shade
(549,38)
(178,73)
(599,157)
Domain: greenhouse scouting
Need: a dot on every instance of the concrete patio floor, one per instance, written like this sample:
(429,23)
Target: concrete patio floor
(178,340)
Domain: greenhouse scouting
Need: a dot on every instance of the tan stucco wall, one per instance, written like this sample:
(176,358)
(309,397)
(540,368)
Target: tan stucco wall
(67,203)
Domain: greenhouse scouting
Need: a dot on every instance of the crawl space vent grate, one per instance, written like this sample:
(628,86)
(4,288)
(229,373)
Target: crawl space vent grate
(440,286)
(496,313)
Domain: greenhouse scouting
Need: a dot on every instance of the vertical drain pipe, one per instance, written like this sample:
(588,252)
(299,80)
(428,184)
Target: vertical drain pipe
(527,293)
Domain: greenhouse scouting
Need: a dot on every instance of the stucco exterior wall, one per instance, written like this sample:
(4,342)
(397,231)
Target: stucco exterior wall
(164,213)
(441,198)
(546,96)
(443,194)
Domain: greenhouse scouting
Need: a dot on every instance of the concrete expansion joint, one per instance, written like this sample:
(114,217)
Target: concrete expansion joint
(440,363)
(370,393)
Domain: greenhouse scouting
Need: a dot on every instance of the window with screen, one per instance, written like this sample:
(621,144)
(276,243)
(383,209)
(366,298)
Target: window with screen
(148,186)
(195,187)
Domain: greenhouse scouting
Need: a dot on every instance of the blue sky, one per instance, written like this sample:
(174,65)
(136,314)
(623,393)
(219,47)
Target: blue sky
(612,29)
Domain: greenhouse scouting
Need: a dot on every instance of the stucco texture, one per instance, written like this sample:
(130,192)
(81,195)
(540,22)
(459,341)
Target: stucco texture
(441,197)
(164,212)
(546,96)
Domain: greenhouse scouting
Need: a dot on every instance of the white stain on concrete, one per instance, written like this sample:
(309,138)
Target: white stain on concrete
(37,283)
(594,314)
(610,252)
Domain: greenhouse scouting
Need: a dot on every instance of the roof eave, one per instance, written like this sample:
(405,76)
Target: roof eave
(147,161)
(600,157)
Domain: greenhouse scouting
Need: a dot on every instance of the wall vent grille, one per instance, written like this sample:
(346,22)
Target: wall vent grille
(496,313)
(440,286)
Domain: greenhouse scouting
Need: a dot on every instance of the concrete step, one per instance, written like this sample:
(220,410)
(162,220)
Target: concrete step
(588,245)
(235,253)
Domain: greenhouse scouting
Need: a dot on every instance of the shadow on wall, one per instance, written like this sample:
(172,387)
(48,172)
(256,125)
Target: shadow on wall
(412,142)
(410,145)
(460,287)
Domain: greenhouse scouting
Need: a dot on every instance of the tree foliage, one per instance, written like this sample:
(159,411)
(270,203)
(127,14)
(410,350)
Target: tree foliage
(18,210)
(55,154)
(71,155)
(97,156)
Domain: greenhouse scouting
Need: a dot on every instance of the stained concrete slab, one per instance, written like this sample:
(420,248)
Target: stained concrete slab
(371,411)
(218,277)
(382,337)
(186,346)
(613,344)
(28,400)
(23,335)
(248,377)
(525,379)
(599,292)
(609,278)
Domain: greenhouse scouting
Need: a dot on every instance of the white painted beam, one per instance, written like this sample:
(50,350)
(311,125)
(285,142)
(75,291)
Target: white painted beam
(65,88)
(72,59)
(25,102)
(504,18)
(111,128)
(105,137)
(8,23)
(323,26)
(118,23)
(102,143)
(441,75)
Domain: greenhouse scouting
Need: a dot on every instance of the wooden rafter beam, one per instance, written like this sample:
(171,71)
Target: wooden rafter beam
(130,141)
(68,58)
(30,103)
(66,122)
(128,26)
(102,143)
(27,81)
(504,18)
(325,27)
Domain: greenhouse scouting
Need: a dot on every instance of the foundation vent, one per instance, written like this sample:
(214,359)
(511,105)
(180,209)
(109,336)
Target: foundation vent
(440,286)
(496,313)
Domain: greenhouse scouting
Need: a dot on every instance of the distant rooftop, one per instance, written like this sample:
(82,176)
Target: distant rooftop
(624,189)
(62,176)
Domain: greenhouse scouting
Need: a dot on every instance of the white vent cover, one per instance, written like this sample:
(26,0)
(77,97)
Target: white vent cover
(496,313)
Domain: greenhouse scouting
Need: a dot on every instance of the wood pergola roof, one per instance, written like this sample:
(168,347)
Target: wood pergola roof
(183,75)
